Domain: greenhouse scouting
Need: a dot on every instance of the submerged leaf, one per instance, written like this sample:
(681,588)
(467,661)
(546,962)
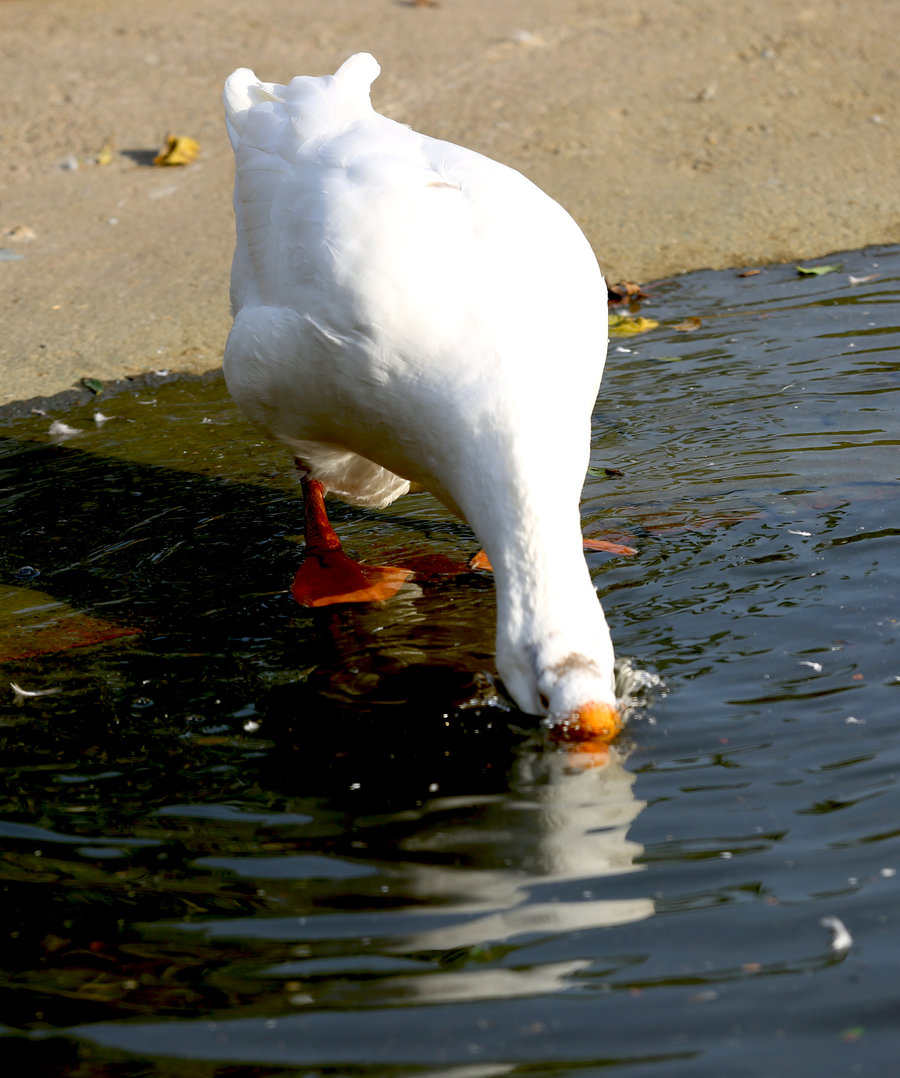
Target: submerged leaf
(816,271)
(178,150)
(688,325)
(623,325)
(853,1034)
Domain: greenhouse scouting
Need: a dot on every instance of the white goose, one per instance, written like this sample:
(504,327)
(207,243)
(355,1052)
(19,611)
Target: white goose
(411,314)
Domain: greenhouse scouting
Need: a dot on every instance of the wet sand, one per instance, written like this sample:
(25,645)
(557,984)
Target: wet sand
(679,133)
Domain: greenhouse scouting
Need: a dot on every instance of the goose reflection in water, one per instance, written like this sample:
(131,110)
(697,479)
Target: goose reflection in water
(560,825)
(474,880)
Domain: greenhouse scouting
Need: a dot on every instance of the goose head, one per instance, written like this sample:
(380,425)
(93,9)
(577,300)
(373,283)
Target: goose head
(573,692)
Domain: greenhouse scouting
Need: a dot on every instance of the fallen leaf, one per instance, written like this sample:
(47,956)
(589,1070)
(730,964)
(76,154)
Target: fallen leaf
(105,156)
(35,623)
(625,292)
(93,384)
(816,271)
(862,280)
(688,325)
(609,547)
(749,273)
(623,325)
(178,150)
(604,473)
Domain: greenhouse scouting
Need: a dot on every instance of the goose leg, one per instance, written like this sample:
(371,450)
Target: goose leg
(327,576)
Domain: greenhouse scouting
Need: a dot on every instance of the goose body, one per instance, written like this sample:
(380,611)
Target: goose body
(409,313)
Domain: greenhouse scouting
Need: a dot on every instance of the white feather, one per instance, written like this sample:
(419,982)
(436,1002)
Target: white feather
(407,310)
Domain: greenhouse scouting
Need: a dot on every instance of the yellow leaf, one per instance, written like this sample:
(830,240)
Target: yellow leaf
(624,325)
(178,150)
(688,325)
(105,156)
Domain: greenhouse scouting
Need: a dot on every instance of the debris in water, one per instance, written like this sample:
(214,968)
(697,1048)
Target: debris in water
(813,666)
(623,325)
(625,292)
(841,939)
(608,546)
(58,429)
(816,271)
(23,694)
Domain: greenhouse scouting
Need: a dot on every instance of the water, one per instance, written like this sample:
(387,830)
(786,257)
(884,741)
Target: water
(242,838)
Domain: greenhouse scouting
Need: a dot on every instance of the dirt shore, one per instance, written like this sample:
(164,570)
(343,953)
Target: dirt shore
(679,133)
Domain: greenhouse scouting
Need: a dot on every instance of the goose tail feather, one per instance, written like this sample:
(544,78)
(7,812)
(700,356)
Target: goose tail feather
(314,106)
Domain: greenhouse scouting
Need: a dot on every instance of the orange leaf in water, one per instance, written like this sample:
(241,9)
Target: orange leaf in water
(625,292)
(33,623)
(608,546)
(688,325)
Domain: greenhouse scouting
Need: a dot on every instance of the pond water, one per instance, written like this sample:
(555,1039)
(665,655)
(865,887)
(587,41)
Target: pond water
(242,838)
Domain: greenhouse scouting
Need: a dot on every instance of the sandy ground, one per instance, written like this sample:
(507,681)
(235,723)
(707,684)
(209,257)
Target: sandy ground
(679,133)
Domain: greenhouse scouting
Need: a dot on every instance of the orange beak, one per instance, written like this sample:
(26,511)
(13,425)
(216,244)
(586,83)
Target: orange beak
(591,722)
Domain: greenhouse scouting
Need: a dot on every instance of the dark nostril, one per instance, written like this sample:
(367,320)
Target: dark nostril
(544,701)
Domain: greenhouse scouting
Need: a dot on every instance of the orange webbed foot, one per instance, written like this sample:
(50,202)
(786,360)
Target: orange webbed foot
(329,577)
